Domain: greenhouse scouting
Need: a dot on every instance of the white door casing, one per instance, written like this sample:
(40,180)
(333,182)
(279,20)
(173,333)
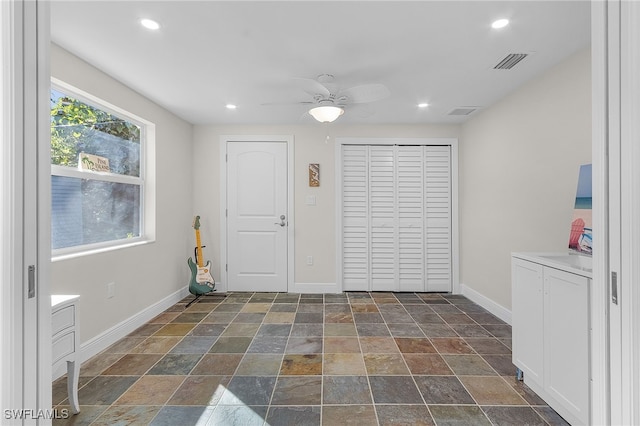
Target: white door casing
(600,391)
(624,209)
(25,321)
(615,349)
(256,221)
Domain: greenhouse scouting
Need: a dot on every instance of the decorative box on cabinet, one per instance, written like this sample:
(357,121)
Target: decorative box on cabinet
(66,342)
(551,331)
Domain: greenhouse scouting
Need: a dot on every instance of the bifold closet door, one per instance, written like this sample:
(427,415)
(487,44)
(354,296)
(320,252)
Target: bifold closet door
(410,213)
(396,226)
(383,244)
(437,192)
(355,218)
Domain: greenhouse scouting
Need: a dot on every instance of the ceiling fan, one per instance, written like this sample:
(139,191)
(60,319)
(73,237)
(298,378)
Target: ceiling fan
(329,101)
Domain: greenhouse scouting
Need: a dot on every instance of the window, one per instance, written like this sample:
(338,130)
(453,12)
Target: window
(97,173)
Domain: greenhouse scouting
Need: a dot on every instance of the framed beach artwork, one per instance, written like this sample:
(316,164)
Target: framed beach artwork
(581,236)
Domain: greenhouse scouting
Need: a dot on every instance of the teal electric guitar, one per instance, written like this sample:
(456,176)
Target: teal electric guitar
(202,281)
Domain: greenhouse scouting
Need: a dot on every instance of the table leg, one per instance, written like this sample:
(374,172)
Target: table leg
(73,373)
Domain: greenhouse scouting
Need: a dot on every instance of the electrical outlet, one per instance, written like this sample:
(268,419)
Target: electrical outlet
(111,290)
(309,260)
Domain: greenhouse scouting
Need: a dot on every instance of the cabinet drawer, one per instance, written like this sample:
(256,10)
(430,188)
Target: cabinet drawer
(63,346)
(62,319)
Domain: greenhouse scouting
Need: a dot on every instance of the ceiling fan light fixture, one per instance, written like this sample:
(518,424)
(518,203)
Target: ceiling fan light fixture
(149,24)
(500,23)
(326,114)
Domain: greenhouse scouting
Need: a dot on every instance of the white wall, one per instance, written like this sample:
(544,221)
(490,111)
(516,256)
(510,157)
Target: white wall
(314,225)
(519,162)
(518,172)
(145,274)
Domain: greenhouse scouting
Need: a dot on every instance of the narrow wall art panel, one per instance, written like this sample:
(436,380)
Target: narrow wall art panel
(580,238)
(314,174)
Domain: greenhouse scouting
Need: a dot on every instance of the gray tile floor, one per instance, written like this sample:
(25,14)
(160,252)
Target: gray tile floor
(289,359)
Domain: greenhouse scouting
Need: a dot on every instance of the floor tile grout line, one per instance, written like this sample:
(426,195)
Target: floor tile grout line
(277,377)
(366,372)
(195,365)
(413,376)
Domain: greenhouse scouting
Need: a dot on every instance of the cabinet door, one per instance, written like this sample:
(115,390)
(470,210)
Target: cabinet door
(566,342)
(527,319)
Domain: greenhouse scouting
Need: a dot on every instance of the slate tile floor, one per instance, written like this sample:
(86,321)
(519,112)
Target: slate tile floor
(288,359)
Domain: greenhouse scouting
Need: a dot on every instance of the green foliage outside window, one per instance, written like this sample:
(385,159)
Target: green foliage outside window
(76,127)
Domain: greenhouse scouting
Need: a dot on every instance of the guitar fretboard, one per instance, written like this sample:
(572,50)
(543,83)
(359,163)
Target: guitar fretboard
(199,249)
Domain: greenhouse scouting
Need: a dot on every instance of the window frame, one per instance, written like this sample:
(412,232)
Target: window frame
(147,141)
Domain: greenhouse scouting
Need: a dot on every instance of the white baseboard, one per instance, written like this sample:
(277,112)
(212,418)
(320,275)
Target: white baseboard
(102,341)
(315,288)
(496,309)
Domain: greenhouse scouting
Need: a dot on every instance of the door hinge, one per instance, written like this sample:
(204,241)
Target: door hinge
(32,281)
(614,287)
(226,267)
(226,158)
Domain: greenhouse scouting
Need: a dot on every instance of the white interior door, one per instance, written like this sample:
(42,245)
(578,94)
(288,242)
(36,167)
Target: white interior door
(257,216)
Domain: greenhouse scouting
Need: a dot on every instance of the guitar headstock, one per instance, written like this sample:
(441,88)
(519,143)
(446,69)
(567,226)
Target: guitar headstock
(196,222)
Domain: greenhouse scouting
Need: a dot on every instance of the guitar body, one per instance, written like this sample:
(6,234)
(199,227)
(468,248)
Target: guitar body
(201,281)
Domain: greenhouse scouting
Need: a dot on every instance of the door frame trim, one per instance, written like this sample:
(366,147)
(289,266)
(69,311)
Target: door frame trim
(289,140)
(25,323)
(455,224)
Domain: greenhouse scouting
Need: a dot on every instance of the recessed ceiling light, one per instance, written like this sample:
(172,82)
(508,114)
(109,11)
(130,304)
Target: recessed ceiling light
(500,23)
(231,106)
(149,24)
(423,105)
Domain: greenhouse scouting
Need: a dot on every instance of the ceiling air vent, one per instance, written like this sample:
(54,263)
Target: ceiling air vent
(510,61)
(463,110)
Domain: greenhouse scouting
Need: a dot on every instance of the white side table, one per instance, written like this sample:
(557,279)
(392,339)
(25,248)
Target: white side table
(66,342)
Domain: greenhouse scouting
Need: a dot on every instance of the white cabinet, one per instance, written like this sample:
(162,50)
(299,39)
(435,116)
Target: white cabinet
(66,343)
(550,325)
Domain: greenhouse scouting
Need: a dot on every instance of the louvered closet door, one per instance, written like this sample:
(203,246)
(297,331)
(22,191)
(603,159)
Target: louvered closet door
(410,214)
(437,190)
(355,218)
(396,219)
(382,212)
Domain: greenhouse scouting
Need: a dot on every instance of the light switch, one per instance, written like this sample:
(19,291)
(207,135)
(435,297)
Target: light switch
(311,200)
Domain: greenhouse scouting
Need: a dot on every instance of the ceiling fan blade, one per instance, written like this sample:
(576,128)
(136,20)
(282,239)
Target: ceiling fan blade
(311,87)
(365,93)
(362,111)
(287,103)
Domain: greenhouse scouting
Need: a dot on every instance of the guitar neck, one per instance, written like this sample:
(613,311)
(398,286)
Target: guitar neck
(199,249)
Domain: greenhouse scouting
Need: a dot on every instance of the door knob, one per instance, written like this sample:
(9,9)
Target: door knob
(281,223)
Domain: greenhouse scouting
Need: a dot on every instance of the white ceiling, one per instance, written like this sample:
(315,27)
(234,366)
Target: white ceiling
(210,53)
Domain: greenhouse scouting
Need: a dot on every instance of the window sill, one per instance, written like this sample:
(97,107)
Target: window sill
(69,256)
